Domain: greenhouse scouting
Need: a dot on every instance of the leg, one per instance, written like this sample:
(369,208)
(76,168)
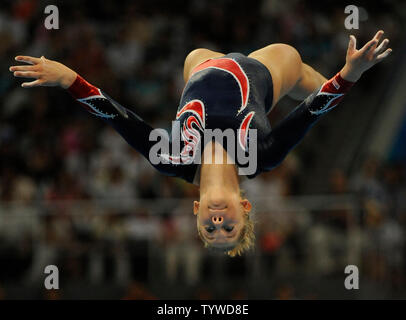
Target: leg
(195,57)
(289,74)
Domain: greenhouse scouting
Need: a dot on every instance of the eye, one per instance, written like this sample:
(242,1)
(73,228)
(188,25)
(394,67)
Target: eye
(210,229)
(228,228)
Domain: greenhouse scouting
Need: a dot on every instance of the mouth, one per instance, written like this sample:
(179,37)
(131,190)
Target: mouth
(217,210)
(219,207)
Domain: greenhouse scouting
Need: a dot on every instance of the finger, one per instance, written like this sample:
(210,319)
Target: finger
(22,68)
(31,84)
(26,74)
(27,59)
(384,55)
(378,35)
(373,43)
(352,44)
(381,48)
(369,46)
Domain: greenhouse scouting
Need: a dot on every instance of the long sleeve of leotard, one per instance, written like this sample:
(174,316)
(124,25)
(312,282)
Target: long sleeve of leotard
(291,130)
(128,124)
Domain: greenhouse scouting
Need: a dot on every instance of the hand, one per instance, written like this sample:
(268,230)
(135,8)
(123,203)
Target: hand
(45,72)
(359,61)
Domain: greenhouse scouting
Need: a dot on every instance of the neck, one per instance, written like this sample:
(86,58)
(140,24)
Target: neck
(217,170)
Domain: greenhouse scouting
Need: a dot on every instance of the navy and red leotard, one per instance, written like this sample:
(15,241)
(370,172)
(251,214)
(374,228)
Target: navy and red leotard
(231,92)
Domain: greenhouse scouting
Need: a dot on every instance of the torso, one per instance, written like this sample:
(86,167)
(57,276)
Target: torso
(230,92)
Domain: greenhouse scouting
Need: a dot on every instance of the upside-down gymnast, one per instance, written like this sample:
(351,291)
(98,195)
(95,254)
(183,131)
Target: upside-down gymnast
(223,91)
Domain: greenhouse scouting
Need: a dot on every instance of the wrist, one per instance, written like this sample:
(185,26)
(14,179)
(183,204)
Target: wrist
(348,74)
(81,89)
(337,85)
(68,79)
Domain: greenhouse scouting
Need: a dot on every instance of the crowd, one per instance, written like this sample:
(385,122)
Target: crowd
(74,194)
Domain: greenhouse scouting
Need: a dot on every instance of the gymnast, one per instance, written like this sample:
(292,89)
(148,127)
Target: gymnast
(222,91)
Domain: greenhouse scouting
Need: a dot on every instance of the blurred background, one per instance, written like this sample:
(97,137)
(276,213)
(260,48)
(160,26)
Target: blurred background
(73,194)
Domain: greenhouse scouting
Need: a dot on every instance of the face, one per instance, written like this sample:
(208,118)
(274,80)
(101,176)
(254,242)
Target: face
(220,217)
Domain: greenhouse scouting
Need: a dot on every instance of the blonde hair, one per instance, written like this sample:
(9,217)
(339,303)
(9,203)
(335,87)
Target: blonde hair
(245,242)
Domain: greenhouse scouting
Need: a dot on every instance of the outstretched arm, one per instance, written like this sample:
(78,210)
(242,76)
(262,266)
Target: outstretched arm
(128,124)
(293,128)
(300,79)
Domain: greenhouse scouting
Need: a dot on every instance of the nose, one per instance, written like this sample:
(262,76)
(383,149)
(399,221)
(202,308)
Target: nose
(217,219)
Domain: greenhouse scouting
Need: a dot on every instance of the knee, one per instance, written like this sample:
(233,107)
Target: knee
(194,55)
(289,64)
(289,51)
(191,60)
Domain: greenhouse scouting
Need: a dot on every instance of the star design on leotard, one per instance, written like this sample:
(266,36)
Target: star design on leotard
(324,102)
(98,105)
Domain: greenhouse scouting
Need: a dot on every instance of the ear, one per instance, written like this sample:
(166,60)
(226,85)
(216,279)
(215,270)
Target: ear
(196,206)
(246,205)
